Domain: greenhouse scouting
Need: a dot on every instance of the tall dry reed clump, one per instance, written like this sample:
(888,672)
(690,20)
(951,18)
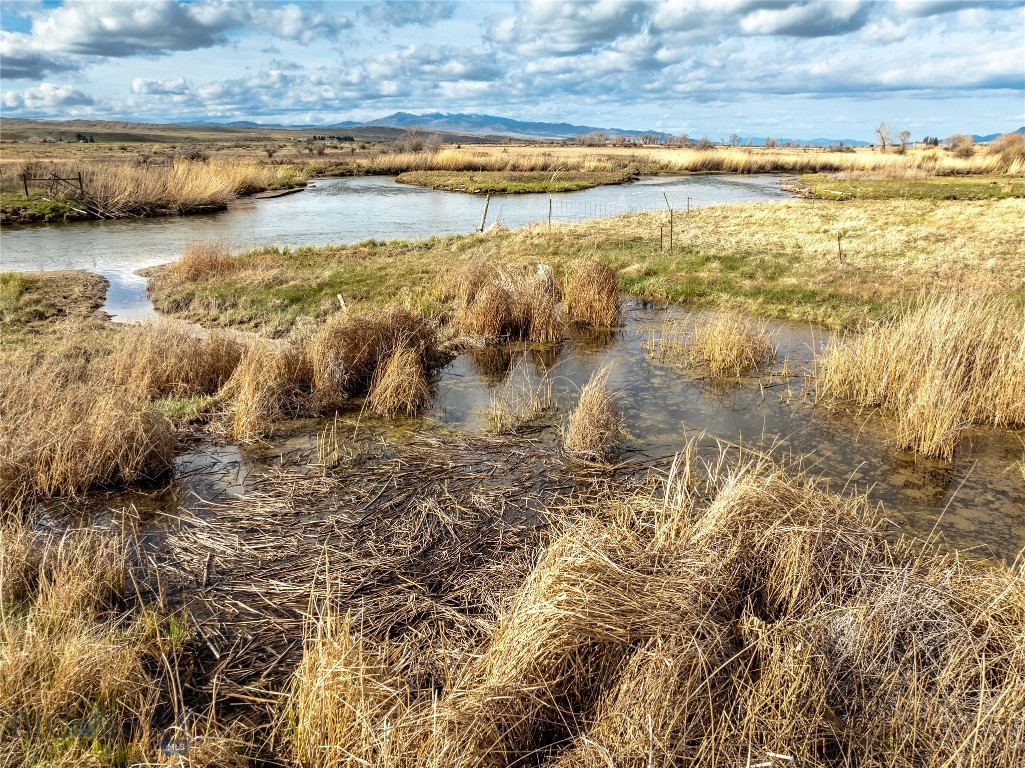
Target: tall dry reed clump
(165,359)
(744,617)
(133,189)
(596,426)
(386,353)
(73,683)
(956,360)
(724,344)
(349,355)
(203,260)
(61,434)
(268,385)
(590,294)
(505,303)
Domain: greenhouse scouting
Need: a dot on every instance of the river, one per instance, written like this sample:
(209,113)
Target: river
(337,211)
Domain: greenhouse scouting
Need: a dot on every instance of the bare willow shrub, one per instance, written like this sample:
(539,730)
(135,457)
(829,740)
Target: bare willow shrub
(956,360)
(590,294)
(1010,149)
(596,426)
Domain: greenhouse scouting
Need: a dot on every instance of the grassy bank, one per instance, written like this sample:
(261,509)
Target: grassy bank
(512,182)
(781,260)
(31,301)
(842,187)
(123,189)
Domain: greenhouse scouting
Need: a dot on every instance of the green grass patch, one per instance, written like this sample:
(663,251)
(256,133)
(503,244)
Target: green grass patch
(513,182)
(30,301)
(933,188)
(18,209)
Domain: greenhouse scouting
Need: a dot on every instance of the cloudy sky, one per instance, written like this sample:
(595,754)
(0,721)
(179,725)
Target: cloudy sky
(792,68)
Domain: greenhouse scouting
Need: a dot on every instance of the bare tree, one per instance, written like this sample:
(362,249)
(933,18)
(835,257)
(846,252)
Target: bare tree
(682,139)
(884,132)
(905,137)
(769,143)
(433,143)
(734,139)
(961,145)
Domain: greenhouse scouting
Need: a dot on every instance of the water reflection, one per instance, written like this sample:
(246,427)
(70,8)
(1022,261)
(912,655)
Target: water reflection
(976,502)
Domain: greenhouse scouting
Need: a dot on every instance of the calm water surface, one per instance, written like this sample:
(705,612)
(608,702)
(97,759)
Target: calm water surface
(976,503)
(337,211)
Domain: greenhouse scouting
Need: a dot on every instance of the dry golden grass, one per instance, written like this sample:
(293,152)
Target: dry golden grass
(60,434)
(682,160)
(770,259)
(956,360)
(265,387)
(164,359)
(64,660)
(133,189)
(596,426)
(204,260)
(508,303)
(591,294)
(745,616)
(724,344)
(400,384)
(384,351)
(346,352)
(344,697)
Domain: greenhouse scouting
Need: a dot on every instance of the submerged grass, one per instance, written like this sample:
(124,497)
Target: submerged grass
(596,425)
(954,361)
(724,344)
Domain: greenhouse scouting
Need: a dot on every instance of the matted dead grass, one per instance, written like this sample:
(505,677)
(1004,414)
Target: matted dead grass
(743,616)
(956,360)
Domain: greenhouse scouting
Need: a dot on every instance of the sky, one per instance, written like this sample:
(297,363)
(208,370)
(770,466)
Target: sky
(784,68)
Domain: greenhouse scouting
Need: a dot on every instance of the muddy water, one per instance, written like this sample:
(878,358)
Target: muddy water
(976,504)
(337,211)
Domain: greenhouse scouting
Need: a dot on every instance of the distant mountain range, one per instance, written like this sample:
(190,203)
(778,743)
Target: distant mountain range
(454,127)
(493,126)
